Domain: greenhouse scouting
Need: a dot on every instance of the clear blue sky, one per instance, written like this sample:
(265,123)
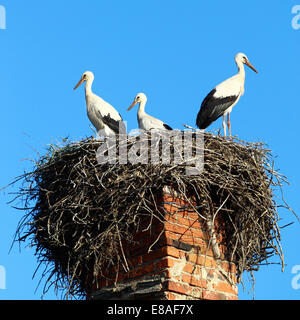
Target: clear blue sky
(175,52)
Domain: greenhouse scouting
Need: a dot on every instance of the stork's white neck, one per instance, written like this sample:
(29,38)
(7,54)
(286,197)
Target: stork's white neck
(141,111)
(241,68)
(88,87)
(241,75)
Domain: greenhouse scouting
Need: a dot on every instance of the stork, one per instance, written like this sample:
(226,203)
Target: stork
(220,101)
(102,115)
(145,121)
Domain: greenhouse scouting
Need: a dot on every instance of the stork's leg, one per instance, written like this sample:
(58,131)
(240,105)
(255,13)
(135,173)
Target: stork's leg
(224,125)
(229,124)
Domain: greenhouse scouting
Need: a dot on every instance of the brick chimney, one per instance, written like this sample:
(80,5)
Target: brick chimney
(171,259)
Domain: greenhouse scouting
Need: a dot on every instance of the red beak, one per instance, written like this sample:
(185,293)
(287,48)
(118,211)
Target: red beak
(132,105)
(79,83)
(251,66)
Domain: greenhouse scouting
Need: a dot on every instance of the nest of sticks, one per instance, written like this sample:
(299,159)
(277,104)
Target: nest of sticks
(78,211)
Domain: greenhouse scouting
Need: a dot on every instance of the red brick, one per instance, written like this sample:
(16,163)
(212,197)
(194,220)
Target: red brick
(171,251)
(142,270)
(170,296)
(193,281)
(165,263)
(224,287)
(212,295)
(187,231)
(186,239)
(171,217)
(170,208)
(174,210)
(177,287)
(189,267)
(185,221)
(175,228)
(161,252)
(201,260)
(169,198)
(190,215)
(229,267)
(235,297)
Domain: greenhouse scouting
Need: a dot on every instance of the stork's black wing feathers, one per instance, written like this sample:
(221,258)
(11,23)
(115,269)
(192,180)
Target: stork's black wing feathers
(116,126)
(213,108)
(167,127)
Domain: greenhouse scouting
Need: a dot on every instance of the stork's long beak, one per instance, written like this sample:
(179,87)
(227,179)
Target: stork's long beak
(79,83)
(133,104)
(251,66)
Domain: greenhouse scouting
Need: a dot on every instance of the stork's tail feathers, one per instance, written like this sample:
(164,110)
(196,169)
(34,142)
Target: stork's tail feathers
(200,121)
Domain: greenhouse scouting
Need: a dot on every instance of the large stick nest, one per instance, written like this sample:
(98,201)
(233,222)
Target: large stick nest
(79,212)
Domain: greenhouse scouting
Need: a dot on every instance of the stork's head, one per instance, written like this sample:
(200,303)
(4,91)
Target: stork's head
(140,97)
(242,58)
(87,76)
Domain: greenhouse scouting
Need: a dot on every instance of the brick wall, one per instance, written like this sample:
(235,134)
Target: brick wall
(179,265)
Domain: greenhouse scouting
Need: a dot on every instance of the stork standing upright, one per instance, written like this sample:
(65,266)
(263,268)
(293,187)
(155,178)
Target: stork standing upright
(145,121)
(102,115)
(220,101)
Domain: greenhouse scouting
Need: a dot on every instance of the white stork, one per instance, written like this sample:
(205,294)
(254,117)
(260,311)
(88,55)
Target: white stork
(102,115)
(147,122)
(224,97)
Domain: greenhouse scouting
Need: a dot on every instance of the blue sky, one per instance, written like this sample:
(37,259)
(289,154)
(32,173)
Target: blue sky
(173,51)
